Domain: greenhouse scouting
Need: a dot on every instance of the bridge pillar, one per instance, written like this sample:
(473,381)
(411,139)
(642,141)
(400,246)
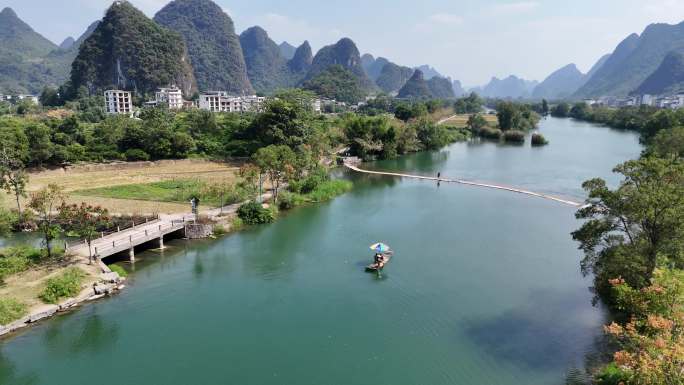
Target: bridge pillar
(131,254)
(161,242)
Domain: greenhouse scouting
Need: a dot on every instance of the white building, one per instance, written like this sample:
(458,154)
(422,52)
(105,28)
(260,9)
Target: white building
(222,102)
(172,96)
(31,98)
(118,102)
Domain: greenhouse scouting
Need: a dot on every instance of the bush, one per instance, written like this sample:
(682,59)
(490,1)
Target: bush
(119,270)
(253,213)
(514,136)
(288,201)
(11,310)
(15,260)
(219,230)
(539,140)
(9,221)
(237,224)
(135,154)
(490,133)
(329,190)
(612,375)
(66,285)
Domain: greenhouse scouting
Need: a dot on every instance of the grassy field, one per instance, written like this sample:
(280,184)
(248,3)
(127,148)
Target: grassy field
(180,191)
(460,121)
(105,176)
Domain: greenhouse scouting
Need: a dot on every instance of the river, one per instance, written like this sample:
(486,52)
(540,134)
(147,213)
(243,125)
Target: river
(485,286)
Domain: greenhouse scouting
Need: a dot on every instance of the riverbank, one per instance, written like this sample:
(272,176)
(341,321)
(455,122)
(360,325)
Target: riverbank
(26,287)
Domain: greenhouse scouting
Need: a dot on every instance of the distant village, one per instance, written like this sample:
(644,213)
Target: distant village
(119,102)
(663,101)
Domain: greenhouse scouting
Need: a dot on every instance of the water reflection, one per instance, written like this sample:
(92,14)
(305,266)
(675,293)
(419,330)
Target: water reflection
(10,376)
(542,333)
(98,334)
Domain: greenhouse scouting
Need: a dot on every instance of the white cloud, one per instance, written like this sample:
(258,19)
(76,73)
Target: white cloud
(518,7)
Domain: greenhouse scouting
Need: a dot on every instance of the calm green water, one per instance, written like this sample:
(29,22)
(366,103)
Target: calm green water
(485,287)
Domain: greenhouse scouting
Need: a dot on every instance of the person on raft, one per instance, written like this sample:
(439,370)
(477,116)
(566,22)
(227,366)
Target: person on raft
(379,260)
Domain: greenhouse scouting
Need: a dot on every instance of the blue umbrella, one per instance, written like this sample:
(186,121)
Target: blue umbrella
(380,247)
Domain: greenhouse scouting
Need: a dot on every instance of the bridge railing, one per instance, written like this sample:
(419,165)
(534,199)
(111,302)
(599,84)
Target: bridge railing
(133,224)
(101,246)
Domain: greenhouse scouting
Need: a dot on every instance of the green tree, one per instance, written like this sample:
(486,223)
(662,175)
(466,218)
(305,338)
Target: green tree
(50,97)
(561,110)
(13,176)
(85,221)
(476,122)
(506,113)
(45,202)
(626,230)
(278,163)
(545,107)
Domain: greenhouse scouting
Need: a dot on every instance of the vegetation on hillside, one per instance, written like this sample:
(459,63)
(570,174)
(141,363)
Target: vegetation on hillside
(415,88)
(213,46)
(127,50)
(266,67)
(392,77)
(336,83)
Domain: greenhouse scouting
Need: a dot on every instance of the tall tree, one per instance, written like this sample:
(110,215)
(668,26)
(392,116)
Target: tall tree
(45,202)
(13,176)
(84,220)
(634,225)
(278,162)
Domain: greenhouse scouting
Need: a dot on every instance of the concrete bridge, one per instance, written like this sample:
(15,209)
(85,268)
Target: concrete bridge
(128,239)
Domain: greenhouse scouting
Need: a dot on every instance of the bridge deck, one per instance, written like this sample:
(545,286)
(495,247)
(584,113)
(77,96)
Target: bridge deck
(128,238)
(465,182)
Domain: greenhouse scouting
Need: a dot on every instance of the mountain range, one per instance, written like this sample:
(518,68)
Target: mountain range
(634,60)
(193,44)
(190,43)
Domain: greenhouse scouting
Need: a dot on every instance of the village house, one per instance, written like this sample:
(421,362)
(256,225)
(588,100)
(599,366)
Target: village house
(118,102)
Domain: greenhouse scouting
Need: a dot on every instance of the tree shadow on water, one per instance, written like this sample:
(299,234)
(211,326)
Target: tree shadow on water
(9,374)
(94,335)
(549,332)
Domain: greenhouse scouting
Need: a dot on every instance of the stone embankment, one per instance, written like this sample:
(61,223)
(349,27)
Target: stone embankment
(109,283)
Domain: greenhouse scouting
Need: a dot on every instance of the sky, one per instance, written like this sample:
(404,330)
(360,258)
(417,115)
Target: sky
(469,40)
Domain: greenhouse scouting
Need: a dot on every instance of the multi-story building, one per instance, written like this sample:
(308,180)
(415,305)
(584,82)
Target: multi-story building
(222,102)
(172,96)
(118,102)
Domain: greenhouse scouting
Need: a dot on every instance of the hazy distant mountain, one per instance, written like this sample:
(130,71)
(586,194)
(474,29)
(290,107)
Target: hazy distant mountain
(416,87)
(393,77)
(441,88)
(458,88)
(266,67)
(22,52)
(58,62)
(67,43)
(602,60)
(287,50)
(667,79)
(560,84)
(634,60)
(213,46)
(428,72)
(510,87)
(373,66)
(130,51)
(343,53)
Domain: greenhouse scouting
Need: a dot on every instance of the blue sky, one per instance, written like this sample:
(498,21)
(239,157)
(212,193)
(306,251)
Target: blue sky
(470,40)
